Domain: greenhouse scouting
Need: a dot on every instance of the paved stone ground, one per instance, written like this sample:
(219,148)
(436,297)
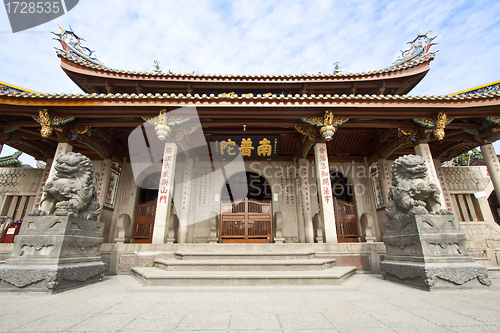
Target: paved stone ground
(364,303)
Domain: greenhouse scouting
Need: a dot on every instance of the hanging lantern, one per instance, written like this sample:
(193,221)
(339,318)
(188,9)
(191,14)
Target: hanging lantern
(162,131)
(327,132)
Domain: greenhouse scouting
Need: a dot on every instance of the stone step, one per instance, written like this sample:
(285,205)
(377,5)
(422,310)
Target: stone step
(257,255)
(483,261)
(153,276)
(245,265)
(494,272)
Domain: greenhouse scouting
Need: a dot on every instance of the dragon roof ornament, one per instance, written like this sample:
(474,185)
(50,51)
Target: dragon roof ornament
(71,45)
(419,47)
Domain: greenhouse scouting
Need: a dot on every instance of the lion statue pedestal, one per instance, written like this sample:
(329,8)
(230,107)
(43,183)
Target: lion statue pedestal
(58,246)
(425,247)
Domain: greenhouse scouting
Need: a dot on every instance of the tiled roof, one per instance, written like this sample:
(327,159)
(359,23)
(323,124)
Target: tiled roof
(403,66)
(254,98)
(10,159)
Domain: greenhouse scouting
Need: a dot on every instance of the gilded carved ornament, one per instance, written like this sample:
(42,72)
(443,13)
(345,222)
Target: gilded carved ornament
(163,125)
(308,131)
(409,131)
(494,120)
(328,124)
(50,123)
(436,124)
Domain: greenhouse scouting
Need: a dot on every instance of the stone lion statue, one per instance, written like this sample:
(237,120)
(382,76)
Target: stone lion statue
(71,191)
(411,192)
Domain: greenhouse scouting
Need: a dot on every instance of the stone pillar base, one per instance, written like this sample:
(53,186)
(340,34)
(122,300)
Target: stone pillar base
(435,276)
(50,278)
(429,252)
(54,253)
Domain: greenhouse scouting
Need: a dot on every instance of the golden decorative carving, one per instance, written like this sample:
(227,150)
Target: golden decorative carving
(408,131)
(329,124)
(316,121)
(438,124)
(181,131)
(163,122)
(50,123)
(495,129)
(427,122)
(441,121)
(309,131)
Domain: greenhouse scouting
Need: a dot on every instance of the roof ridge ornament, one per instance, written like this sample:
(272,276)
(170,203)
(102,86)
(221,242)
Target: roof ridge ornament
(419,48)
(156,68)
(71,45)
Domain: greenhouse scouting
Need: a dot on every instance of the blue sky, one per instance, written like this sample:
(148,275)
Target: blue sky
(259,37)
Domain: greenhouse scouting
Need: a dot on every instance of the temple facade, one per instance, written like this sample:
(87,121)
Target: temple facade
(188,158)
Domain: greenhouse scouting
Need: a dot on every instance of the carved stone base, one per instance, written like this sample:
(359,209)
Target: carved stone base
(433,276)
(49,278)
(429,252)
(53,253)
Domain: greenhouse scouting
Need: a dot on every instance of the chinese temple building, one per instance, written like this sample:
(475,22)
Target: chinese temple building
(315,149)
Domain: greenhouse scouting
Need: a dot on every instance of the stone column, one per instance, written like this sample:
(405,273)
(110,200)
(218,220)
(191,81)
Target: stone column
(446,204)
(62,148)
(102,186)
(385,178)
(163,204)
(183,212)
(325,192)
(423,150)
(306,200)
(491,159)
(45,176)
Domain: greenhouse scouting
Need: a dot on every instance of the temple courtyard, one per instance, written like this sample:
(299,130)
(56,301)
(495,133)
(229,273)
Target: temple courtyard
(363,303)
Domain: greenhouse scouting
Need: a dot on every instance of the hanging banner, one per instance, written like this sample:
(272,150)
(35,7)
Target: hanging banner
(250,146)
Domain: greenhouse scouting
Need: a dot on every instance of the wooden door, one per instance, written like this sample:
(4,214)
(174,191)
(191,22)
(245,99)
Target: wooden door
(345,219)
(144,222)
(248,221)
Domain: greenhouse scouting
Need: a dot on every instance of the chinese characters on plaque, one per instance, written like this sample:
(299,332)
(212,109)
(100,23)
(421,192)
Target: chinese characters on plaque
(251,146)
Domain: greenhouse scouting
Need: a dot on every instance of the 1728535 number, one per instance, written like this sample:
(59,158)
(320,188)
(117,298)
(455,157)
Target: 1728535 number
(31,7)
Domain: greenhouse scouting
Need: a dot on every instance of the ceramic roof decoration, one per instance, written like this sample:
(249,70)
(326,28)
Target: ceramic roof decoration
(485,89)
(419,48)
(71,45)
(8,88)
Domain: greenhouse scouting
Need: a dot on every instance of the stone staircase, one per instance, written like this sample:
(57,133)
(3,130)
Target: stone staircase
(242,269)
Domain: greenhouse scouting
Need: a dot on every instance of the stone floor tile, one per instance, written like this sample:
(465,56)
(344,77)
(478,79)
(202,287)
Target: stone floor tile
(160,323)
(301,321)
(12,321)
(204,321)
(130,306)
(103,323)
(254,321)
(53,323)
(252,307)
